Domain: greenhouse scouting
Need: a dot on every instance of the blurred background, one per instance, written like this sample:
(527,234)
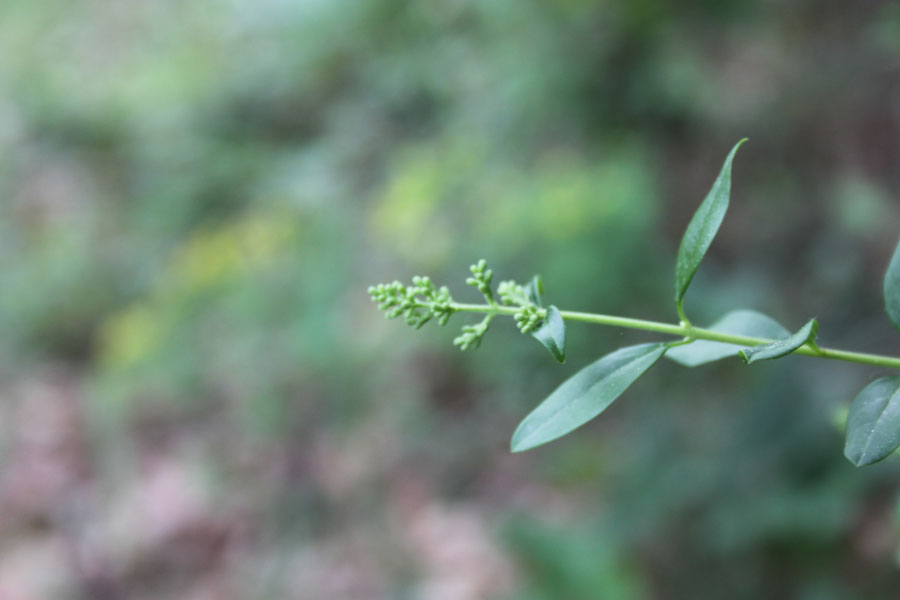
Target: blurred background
(199,401)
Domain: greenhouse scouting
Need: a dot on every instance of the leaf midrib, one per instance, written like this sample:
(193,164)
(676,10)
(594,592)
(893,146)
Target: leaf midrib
(568,406)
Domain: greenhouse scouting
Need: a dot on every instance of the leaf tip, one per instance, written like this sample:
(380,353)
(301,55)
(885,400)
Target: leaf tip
(552,334)
(734,150)
(858,461)
(853,455)
(517,444)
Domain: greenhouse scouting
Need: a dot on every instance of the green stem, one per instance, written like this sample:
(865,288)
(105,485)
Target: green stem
(690,331)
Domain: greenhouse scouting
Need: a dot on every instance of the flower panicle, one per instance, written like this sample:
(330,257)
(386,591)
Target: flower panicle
(423,301)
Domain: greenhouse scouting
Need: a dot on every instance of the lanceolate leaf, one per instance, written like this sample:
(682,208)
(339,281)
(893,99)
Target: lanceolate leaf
(739,322)
(585,395)
(873,425)
(703,228)
(552,334)
(892,288)
(780,348)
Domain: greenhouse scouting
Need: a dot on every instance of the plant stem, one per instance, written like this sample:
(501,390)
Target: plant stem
(690,331)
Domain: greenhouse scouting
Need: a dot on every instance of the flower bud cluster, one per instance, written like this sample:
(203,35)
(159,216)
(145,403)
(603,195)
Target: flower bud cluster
(423,301)
(530,316)
(472,334)
(512,294)
(481,279)
(417,303)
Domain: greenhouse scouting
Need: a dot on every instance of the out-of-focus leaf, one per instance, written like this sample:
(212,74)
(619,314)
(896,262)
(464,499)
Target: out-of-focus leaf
(892,288)
(780,348)
(535,289)
(552,334)
(703,228)
(873,425)
(585,395)
(737,322)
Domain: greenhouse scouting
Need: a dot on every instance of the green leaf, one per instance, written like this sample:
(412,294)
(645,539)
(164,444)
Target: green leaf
(552,334)
(873,425)
(585,395)
(535,289)
(703,228)
(892,288)
(780,348)
(737,322)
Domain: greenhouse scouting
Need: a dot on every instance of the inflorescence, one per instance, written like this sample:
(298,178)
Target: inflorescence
(418,303)
(423,301)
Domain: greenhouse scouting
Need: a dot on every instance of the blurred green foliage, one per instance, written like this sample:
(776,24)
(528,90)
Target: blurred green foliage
(195,196)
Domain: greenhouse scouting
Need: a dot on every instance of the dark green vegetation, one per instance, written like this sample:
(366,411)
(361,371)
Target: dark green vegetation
(199,400)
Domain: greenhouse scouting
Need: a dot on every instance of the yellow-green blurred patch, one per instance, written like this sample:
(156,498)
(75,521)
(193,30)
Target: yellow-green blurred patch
(129,335)
(214,256)
(208,259)
(412,215)
(438,190)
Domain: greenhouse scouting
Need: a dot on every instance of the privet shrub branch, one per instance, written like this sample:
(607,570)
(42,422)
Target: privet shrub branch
(873,423)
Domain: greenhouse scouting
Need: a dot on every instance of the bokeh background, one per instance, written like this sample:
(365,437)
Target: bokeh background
(200,402)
